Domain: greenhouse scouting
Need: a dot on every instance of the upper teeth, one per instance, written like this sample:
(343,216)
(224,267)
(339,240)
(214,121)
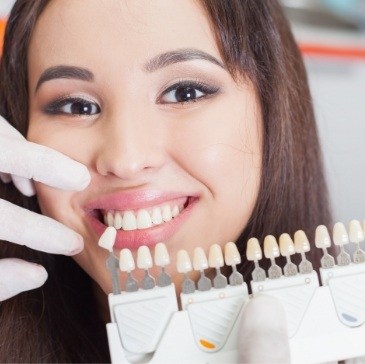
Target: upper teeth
(142,219)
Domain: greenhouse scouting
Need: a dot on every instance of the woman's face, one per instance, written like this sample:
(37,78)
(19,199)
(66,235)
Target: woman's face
(138,92)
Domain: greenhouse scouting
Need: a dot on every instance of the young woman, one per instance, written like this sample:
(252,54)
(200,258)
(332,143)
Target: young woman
(199,110)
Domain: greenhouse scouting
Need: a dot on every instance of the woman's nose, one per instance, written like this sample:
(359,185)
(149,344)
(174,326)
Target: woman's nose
(130,149)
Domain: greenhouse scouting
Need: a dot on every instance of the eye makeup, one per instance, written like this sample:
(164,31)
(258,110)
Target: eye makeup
(185,91)
(72,106)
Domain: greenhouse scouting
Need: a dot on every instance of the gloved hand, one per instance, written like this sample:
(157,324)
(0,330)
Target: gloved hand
(22,161)
(263,336)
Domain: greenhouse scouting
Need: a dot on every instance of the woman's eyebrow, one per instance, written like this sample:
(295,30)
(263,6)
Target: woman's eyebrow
(179,55)
(69,72)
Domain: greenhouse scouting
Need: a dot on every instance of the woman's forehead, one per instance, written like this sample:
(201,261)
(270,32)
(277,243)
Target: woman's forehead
(129,32)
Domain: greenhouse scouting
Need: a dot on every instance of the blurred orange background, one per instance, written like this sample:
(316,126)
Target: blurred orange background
(2,30)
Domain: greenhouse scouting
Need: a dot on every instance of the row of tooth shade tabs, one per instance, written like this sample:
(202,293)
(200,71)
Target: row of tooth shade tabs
(272,249)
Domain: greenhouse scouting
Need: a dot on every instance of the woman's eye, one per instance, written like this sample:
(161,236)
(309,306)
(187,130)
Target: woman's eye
(73,106)
(186,92)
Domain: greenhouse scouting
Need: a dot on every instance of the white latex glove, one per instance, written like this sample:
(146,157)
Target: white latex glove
(263,336)
(22,161)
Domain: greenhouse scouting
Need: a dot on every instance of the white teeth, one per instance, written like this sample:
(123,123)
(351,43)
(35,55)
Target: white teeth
(355,232)
(143,220)
(183,263)
(162,257)
(166,213)
(129,221)
(144,258)
(156,216)
(118,221)
(110,219)
(301,242)
(253,250)
(271,247)
(286,245)
(200,261)
(231,254)
(340,236)
(126,261)
(322,237)
(107,239)
(175,211)
(215,256)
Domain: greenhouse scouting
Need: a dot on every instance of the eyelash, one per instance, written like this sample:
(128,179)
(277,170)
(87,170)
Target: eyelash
(190,87)
(203,88)
(55,107)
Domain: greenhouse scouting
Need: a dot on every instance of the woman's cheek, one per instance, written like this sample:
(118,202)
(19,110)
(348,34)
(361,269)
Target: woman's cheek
(57,204)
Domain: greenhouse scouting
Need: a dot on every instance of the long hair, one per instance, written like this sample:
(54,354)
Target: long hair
(255,41)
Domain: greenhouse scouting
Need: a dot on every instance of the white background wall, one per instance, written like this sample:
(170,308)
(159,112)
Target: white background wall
(5,6)
(338,89)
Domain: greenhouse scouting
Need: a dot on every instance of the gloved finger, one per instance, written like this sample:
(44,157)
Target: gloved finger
(29,160)
(17,276)
(25,186)
(263,336)
(6,178)
(39,232)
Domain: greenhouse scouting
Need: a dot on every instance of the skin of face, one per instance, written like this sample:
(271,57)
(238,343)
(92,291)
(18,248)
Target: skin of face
(139,138)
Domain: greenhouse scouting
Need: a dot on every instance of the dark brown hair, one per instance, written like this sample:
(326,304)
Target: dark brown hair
(51,324)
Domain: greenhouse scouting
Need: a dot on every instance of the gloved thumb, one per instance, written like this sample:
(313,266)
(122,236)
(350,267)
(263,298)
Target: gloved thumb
(263,336)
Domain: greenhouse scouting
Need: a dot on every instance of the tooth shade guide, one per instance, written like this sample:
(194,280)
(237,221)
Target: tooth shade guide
(301,244)
(144,258)
(323,241)
(359,255)
(131,284)
(286,245)
(356,233)
(254,253)
(126,261)
(200,262)
(107,239)
(127,265)
(144,261)
(322,237)
(232,257)
(162,259)
(305,266)
(340,238)
(216,261)
(204,283)
(184,266)
(287,249)
(113,265)
(271,251)
(189,287)
(343,258)
(231,254)
(215,258)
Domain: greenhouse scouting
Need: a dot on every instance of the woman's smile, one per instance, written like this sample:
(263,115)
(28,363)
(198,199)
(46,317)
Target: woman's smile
(142,217)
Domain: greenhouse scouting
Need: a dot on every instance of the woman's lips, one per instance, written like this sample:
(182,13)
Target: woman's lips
(134,200)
